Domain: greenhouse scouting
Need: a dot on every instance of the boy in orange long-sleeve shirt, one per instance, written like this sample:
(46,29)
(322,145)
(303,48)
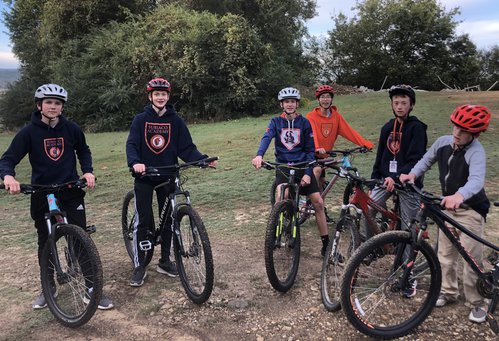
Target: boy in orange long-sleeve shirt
(327,123)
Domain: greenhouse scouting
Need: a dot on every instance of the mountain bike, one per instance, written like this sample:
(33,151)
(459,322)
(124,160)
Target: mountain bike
(378,273)
(306,207)
(190,240)
(282,237)
(347,235)
(71,270)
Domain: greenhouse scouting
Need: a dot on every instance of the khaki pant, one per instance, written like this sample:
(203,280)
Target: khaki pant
(449,257)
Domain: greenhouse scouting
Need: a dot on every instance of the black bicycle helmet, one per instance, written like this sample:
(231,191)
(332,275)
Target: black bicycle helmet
(403,89)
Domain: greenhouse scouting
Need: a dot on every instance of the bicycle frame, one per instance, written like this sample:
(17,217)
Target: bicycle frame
(171,205)
(360,201)
(490,279)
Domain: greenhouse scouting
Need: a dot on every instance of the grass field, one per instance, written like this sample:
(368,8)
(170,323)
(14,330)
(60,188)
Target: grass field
(235,184)
(224,196)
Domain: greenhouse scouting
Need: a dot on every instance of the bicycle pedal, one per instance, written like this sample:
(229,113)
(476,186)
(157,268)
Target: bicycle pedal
(91,229)
(145,245)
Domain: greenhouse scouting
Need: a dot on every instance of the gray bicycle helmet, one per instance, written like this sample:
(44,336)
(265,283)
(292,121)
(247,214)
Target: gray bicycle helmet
(288,93)
(51,91)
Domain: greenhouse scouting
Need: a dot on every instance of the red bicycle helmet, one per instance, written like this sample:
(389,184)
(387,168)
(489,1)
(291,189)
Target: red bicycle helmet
(159,84)
(323,89)
(471,118)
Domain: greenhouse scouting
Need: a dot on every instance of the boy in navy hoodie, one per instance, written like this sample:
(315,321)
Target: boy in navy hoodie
(53,144)
(294,142)
(158,137)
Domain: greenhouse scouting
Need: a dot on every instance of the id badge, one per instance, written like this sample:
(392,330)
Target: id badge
(393,166)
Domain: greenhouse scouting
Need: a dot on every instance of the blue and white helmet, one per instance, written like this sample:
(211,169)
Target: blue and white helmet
(51,91)
(289,93)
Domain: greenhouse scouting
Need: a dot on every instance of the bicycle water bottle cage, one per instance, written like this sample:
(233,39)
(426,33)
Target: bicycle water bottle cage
(145,245)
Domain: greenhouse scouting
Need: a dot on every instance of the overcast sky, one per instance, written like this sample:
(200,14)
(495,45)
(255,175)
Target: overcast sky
(480,19)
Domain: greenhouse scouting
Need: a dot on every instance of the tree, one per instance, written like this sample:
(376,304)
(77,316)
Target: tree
(216,66)
(410,41)
(489,67)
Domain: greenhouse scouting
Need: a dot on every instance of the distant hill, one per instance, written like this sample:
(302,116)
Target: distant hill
(8,76)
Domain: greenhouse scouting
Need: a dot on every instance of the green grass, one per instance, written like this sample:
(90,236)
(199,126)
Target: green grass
(226,192)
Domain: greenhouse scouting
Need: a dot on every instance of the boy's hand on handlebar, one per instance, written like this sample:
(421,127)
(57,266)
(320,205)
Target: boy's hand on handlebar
(139,168)
(320,151)
(451,202)
(11,184)
(407,177)
(90,178)
(389,183)
(257,162)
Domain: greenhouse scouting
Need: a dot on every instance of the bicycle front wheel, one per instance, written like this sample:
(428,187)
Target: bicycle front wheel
(378,295)
(342,242)
(75,292)
(282,246)
(193,255)
(128,220)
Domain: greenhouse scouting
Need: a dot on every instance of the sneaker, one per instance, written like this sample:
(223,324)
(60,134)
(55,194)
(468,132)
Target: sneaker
(410,291)
(443,300)
(168,268)
(40,302)
(138,276)
(477,315)
(104,304)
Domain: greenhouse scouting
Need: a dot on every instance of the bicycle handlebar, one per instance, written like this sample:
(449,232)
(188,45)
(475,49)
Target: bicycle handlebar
(295,165)
(155,171)
(432,198)
(34,188)
(346,152)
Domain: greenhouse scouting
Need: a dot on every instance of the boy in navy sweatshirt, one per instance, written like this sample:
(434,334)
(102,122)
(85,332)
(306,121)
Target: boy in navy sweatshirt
(294,142)
(158,137)
(53,144)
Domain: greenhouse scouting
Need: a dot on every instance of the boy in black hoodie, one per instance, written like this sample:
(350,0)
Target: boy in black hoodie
(53,143)
(158,137)
(402,143)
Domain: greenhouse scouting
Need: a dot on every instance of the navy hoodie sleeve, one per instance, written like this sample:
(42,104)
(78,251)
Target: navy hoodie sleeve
(133,142)
(15,153)
(83,151)
(187,150)
(269,134)
(376,173)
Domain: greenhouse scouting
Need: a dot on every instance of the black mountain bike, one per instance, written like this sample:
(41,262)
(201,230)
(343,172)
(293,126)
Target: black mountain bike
(71,270)
(190,240)
(282,238)
(378,272)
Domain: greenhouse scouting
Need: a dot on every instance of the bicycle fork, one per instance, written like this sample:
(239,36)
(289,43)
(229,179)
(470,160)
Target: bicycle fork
(60,218)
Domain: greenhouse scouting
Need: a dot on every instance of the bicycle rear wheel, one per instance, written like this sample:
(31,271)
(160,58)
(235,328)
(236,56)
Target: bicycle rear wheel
(75,293)
(195,263)
(374,292)
(282,246)
(128,220)
(342,242)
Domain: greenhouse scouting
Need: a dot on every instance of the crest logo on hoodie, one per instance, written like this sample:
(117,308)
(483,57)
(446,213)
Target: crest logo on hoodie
(157,136)
(290,137)
(54,147)
(326,129)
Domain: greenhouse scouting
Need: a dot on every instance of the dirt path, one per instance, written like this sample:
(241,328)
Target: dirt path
(243,305)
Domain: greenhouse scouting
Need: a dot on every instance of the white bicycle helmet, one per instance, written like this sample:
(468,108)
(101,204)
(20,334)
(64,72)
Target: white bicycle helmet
(51,91)
(289,93)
